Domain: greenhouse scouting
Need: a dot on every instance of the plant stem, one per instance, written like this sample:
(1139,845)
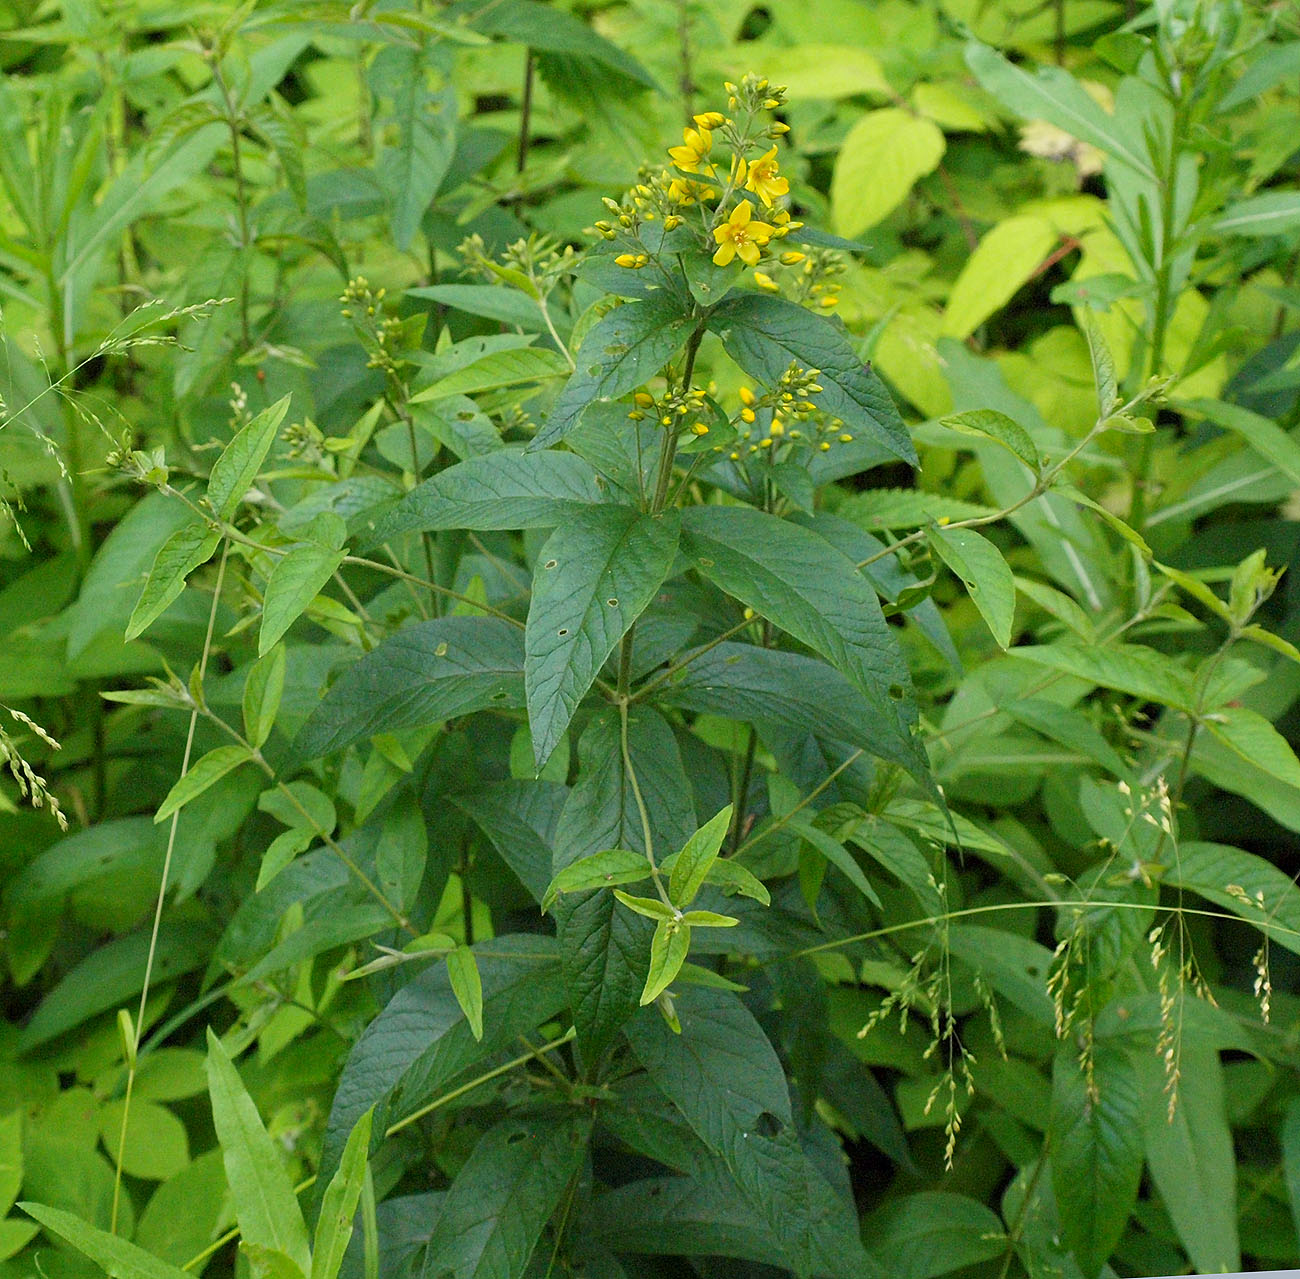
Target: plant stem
(525,114)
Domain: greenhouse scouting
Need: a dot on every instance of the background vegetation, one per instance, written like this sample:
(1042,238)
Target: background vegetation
(401,507)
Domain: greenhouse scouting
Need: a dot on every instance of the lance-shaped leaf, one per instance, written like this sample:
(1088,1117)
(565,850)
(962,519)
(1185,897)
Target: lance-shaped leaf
(467,986)
(508,489)
(115,1256)
(265,1205)
(668,950)
(691,868)
(177,558)
(204,773)
(764,334)
(235,470)
(297,578)
(981,569)
(631,344)
(595,575)
(424,674)
(339,1204)
(601,870)
(813,591)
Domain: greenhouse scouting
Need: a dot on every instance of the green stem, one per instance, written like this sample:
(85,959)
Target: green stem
(668,449)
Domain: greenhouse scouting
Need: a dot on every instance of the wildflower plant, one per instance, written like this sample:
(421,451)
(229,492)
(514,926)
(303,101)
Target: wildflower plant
(626,770)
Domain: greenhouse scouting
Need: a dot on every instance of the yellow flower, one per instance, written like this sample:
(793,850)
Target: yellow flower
(683,191)
(699,429)
(697,143)
(747,397)
(765,281)
(740,236)
(762,179)
(710,120)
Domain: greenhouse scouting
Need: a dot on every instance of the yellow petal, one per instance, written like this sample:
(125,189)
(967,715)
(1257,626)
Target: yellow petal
(724,254)
(748,253)
(741,214)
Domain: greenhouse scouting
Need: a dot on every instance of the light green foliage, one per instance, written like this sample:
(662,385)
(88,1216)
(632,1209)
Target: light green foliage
(768,667)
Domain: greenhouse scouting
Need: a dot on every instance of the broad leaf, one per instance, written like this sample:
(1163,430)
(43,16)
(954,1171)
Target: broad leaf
(1096,1151)
(495,370)
(880,159)
(725,1078)
(605,947)
(203,773)
(503,490)
(763,334)
(669,947)
(424,674)
(594,577)
(421,1044)
(932,1233)
(813,591)
(1007,257)
(177,558)
(1128,668)
(1190,1153)
(984,573)
(629,346)
(502,1198)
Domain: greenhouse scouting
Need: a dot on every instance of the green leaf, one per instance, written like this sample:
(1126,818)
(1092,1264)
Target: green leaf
(1096,1151)
(763,334)
(1290,1140)
(1068,726)
(235,470)
(1015,967)
(710,919)
(1261,894)
(550,30)
(183,1215)
(1190,1153)
(112,975)
(628,347)
(723,1075)
(467,986)
(203,773)
(650,907)
(594,577)
(178,557)
(505,305)
(157,1146)
(1009,255)
(495,370)
(933,1232)
(112,1254)
(11,1158)
(834,852)
(983,572)
(808,588)
(1272,213)
(669,947)
(297,578)
(773,686)
(1128,668)
(501,1200)
(605,947)
(1264,436)
(424,674)
(1248,734)
(693,863)
(999,428)
(879,509)
(880,160)
(412,169)
(265,1205)
(1052,94)
(502,490)
(599,870)
(339,1204)
(263,688)
(421,1043)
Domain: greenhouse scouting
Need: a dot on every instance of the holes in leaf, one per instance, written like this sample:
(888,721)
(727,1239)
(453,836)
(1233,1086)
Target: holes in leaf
(562,632)
(896,692)
(441,650)
(516,1137)
(464,416)
(613,603)
(768,1125)
(550,564)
